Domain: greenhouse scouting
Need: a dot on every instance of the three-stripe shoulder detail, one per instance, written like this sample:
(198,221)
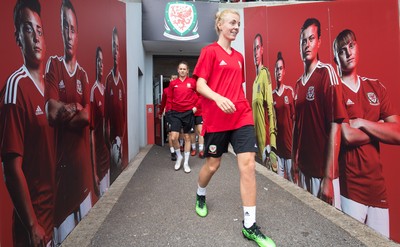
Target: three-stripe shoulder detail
(332,74)
(95,85)
(12,86)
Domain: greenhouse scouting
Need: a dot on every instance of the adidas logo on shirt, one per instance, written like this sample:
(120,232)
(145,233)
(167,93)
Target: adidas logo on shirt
(61,85)
(222,63)
(38,111)
(349,102)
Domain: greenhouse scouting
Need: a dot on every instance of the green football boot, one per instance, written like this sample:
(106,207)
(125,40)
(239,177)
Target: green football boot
(201,206)
(254,233)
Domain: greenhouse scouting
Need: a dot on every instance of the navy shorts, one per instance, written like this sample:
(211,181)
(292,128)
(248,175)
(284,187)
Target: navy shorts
(182,120)
(243,140)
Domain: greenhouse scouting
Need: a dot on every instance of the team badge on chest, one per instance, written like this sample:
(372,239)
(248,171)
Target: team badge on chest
(310,94)
(78,86)
(373,100)
(120,94)
(286,99)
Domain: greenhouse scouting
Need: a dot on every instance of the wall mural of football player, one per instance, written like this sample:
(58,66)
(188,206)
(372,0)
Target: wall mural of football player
(284,108)
(115,109)
(68,111)
(27,141)
(36,139)
(99,138)
(264,122)
(319,112)
(371,119)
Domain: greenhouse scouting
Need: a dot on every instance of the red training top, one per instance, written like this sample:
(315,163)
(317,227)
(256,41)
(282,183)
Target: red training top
(183,94)
(224,74)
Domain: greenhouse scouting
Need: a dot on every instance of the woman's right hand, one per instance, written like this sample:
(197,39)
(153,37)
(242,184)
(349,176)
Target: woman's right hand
(225,104)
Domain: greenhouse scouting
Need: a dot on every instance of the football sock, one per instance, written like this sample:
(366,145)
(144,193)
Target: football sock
(249,216)
(201,191)
(187,154)
(178,153)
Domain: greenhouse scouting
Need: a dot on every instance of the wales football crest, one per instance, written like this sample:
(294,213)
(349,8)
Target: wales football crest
(181,21)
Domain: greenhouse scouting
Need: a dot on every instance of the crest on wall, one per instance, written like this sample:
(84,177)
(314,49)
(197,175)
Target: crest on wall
(181,21)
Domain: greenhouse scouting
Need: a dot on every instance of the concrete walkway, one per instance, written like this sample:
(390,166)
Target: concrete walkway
(151,204)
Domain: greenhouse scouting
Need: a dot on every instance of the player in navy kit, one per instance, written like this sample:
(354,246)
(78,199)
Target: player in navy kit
(100,151)
(68,110)
(27,148)
(318,113)
(371,119)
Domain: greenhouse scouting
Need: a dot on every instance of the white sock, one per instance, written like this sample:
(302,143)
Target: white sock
(178,153)
(201,191)
(249,216)
(172,150)
(201,146)
(181,142)
(187,154)
(194,146)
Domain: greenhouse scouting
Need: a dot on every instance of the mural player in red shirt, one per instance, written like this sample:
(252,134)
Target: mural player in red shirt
(284,109)
(27,148)
(371,119)
(319,112)
(115,109)
(68,110)
(99,138)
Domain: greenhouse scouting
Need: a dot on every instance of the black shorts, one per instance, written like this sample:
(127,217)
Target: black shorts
(182,120)
(198,120)
(243,140)
(168,121)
